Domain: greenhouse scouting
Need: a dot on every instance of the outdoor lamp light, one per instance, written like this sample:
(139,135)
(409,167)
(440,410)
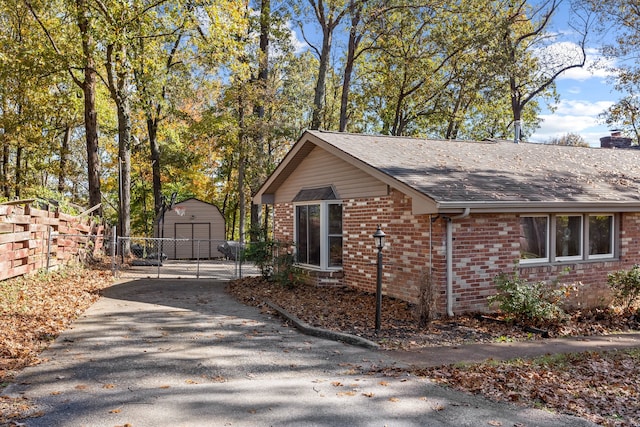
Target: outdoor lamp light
(378,236)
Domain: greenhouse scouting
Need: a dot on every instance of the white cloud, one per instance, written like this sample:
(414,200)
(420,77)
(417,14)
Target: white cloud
(596,66)
(581,107)
(299,45)
(580,117)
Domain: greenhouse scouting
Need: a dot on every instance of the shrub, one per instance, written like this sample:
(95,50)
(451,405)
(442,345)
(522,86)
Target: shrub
(275,260)
(261,253)
(625,286)
(286,272)
(521,300)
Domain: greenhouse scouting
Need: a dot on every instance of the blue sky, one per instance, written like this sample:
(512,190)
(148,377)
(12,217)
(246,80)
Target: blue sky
(584,92)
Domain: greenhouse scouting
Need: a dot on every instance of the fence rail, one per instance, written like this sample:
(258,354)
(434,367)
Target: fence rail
(178,258)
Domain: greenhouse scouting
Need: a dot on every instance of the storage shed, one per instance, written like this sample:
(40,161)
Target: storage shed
(198,228)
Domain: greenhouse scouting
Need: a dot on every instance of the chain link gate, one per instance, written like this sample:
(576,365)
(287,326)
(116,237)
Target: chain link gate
(166,258)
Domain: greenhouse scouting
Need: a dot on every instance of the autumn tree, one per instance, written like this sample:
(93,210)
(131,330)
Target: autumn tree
(75,47)
(530,58)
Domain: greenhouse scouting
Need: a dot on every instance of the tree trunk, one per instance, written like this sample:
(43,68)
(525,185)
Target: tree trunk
(152,130)
(516,108)
(119,88)
(263,75)
(354,41)
(18,174)
(90,113)
(5,171)
(242,161)
(323,69)
(64,157)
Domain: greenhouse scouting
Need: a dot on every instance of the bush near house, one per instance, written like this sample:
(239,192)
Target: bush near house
(275,261)
(519,299)
(625,286)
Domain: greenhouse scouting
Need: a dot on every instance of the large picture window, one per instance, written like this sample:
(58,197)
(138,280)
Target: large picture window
(567,233)
(319,234)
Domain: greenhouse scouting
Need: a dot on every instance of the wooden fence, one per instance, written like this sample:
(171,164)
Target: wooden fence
(33,239)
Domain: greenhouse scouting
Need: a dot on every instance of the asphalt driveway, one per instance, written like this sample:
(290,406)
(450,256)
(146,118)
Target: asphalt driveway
(183,353)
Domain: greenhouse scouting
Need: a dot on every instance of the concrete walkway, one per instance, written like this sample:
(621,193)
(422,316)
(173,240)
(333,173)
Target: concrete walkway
(183,353)
(473,353)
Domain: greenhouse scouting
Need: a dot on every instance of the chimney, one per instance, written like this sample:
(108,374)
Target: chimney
(616,140)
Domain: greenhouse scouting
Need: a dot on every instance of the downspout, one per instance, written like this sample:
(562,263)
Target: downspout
(450,259)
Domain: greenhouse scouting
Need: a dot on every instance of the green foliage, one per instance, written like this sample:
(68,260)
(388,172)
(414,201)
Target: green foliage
(286,272)
(521,300)
(48,198)
(261,254)
(625,286)
(274,259)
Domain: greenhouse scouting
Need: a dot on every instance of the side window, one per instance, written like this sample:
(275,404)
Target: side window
(534,232)
(335,235)
(308,234)
(601,234)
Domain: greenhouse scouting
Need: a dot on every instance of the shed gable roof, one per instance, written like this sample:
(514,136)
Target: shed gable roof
(489,175)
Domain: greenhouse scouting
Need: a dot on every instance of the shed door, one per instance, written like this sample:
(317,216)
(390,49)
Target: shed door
(197,245)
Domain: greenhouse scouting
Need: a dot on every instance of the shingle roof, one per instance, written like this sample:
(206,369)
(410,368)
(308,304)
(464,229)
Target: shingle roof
(490,171)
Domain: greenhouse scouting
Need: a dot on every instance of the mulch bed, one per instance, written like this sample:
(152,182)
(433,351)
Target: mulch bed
(351,311)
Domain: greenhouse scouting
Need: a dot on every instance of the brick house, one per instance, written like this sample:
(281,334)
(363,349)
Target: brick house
(456,214)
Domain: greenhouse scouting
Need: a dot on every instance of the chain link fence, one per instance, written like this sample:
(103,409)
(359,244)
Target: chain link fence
(179,258)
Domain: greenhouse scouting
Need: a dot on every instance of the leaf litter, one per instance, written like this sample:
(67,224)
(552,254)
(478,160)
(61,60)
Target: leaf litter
(34,310)
(603,387)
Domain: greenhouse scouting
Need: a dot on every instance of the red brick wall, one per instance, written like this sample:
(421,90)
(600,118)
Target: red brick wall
(405,256)
(25,239)
(483,247)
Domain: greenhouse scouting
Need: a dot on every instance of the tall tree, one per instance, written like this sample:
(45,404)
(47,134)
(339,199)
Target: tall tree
(328,14)
(522,49)
(622,17)
(86,80)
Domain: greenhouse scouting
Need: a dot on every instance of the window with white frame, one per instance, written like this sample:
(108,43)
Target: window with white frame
(569,232)
(534,238)
(601,235)
(575,237)
(318,230)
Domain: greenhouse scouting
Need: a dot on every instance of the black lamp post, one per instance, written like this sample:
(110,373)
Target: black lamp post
(379,236)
